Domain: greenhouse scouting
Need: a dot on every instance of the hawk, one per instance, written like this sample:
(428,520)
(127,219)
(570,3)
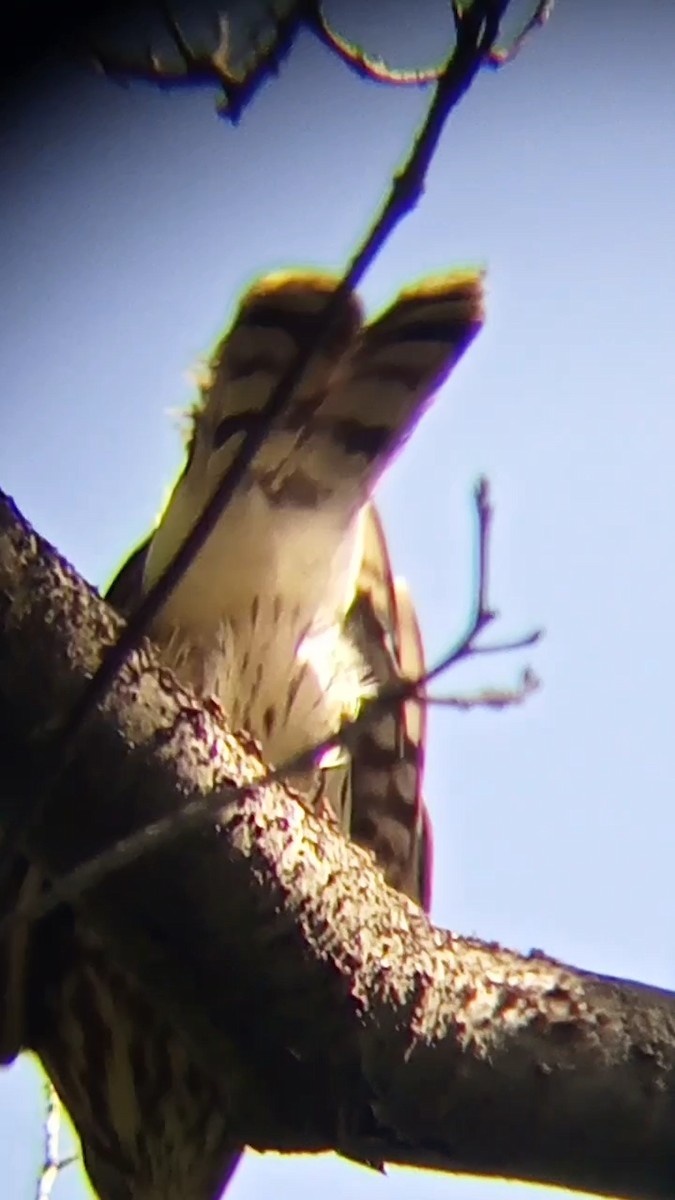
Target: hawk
(290,615)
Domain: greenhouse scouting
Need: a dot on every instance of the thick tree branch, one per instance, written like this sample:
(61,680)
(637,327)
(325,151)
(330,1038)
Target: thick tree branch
(355,1025)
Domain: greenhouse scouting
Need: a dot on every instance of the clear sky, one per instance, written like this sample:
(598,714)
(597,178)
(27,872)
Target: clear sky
(129,222)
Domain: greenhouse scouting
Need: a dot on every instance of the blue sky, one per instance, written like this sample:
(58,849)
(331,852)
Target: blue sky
(129,222)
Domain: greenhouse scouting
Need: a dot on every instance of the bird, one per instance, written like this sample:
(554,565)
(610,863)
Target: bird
(291,616)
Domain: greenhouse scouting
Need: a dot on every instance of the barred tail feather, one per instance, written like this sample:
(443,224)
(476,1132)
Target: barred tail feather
(395,367)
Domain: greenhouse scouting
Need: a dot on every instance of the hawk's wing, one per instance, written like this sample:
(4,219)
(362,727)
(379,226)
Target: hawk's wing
(388,814)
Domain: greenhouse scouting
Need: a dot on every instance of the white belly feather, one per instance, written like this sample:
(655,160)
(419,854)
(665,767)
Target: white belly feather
(257,620)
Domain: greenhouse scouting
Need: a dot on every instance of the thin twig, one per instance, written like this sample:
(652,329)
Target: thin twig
(53,1163)
(500,56)
(366,66)
(195,812)
(376,70)
(213,68)
(482,499)
(180,43)
(489,697)
(210,68)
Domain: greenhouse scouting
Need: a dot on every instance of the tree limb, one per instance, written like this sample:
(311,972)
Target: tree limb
(359,1028)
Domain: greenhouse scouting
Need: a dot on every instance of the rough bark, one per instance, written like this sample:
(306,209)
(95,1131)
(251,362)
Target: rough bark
(358,1027)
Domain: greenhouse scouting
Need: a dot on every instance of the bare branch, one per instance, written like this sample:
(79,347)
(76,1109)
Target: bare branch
(377,71)
(491,697)
(362,1029)
(214,68)
(362,64)
(53,1163)
(210,68)
(483,614)
(501,56)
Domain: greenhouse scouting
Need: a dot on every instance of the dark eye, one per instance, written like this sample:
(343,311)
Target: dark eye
(229,426)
